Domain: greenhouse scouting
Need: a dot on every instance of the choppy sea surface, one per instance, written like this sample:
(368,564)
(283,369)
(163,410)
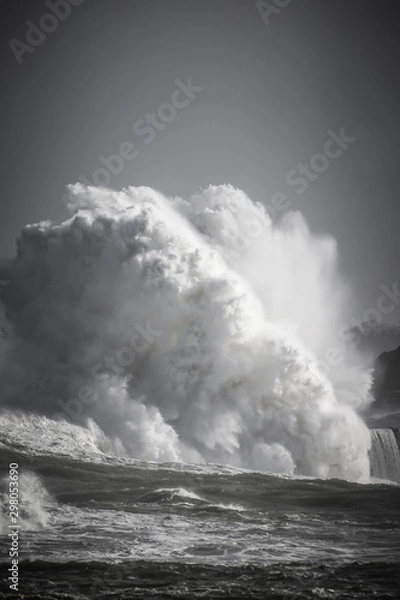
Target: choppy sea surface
(96,526)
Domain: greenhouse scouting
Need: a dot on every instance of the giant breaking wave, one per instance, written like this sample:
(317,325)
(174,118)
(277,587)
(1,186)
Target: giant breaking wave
(186,330)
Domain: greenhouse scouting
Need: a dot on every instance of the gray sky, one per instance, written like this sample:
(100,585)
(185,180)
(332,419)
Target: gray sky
(271,92)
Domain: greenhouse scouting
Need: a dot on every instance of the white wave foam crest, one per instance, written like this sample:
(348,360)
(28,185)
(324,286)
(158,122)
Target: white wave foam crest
(179,339)
(168,494)
(184,496)
(40,435)
(34,502)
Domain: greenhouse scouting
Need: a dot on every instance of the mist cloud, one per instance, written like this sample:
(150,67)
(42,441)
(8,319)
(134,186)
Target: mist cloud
(232,375)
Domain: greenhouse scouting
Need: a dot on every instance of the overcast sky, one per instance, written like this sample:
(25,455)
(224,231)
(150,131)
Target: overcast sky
(269,93)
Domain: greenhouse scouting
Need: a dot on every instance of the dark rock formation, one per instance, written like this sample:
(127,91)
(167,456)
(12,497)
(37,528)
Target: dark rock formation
(386,385)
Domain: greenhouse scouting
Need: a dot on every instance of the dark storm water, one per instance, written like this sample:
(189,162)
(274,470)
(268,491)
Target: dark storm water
(116,528)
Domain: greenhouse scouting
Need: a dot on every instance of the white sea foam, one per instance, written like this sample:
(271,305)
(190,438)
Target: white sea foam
(34,501)
(227,367)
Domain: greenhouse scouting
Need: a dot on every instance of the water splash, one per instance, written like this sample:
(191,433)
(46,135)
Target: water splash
(33,506)
(230,373)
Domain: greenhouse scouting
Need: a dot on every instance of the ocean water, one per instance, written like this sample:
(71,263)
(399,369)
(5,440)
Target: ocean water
(166,394)
(98,526)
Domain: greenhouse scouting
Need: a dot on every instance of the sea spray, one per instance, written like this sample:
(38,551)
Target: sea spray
(34,504)
(232,375)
